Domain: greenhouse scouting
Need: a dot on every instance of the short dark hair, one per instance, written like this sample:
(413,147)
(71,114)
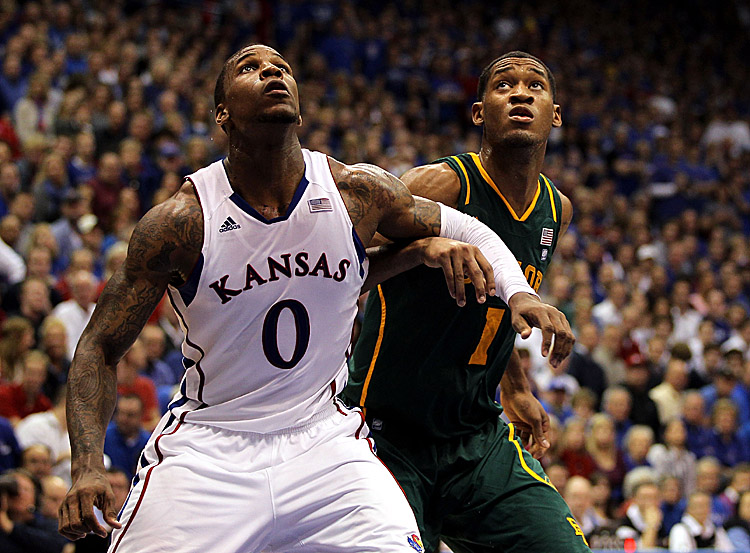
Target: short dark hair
(485,75)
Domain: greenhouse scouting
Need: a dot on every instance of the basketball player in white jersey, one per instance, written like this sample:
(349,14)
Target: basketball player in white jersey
(262,256)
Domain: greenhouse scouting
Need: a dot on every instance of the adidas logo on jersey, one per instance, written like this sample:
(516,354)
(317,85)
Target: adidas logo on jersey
(228,225)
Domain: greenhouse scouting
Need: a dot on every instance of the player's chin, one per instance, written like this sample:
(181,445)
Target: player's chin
(521,138)
(279,113)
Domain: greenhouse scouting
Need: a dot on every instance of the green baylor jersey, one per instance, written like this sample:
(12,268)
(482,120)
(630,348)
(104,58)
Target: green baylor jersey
(422,364)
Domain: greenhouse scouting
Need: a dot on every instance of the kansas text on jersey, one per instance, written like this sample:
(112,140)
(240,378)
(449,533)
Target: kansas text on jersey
(268,310)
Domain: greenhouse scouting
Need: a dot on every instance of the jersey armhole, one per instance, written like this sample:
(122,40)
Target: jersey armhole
(189,288)
(359,246)
(458,167)
(555,199)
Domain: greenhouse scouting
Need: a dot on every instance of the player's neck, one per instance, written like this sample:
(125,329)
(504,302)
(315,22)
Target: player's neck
(265,170)
(515,171)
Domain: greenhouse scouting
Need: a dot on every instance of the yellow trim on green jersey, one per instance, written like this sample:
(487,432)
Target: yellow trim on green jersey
(466,176)
(551,197)
(486,176)
(379,341)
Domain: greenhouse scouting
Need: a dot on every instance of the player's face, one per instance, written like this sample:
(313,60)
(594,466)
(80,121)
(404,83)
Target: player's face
(517,108)
(260,89)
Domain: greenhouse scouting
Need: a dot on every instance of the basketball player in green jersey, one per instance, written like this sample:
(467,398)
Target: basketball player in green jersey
(425,371)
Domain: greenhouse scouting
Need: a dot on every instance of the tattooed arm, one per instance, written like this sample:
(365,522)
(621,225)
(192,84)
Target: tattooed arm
(378,201)
(387,259)
(163,250)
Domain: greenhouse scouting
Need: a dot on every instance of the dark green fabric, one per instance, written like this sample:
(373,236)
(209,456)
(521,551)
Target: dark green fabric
(430,402)
(422,377)
(474,493)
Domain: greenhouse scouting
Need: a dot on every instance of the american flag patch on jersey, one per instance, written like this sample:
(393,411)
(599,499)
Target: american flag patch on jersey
(547,235)
(319,204)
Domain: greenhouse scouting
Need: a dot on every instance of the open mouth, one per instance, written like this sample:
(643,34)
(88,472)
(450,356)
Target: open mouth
(276,88)
(521,113)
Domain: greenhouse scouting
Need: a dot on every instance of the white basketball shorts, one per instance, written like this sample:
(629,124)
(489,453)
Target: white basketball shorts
(318,488)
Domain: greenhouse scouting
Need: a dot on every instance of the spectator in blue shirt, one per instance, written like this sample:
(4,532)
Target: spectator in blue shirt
(638,440)
(726,386)
(51,190)
(339,48)
(10,451)
(617,403)
(724,442)
(76,54)
(126,437)
(671,495)
(694,417)
(12,83)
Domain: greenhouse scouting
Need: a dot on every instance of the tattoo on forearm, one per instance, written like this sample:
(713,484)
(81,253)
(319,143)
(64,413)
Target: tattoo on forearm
(121,313)
(92,389)
(427,216)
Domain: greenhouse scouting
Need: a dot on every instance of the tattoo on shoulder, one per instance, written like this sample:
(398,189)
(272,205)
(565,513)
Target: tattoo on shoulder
(365,186)
(169,241)
(163,249)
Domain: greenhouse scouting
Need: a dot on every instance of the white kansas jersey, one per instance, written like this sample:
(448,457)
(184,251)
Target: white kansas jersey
(269,307)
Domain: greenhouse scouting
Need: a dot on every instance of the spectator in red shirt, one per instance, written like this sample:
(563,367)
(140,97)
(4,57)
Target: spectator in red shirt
(130,382)
(574,454)
(106,186)
(18,400)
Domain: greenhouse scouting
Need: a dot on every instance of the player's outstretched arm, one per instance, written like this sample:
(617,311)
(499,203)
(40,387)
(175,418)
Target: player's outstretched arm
(453,257)
(388,259)
(403,215)
(163,249)
(378,201)
(368,192)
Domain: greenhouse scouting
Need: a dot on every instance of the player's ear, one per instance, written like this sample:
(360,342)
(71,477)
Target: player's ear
(476,114)
(221,115)
(299,120)
(557,116)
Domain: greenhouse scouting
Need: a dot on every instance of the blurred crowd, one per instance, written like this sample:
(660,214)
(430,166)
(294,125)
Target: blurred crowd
(106,106)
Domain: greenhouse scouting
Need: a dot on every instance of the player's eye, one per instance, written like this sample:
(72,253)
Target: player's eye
(284,68)
(248,67)
(503,84)
(537,84)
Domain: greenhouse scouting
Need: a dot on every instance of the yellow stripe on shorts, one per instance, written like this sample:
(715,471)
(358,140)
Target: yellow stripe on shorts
(512,439)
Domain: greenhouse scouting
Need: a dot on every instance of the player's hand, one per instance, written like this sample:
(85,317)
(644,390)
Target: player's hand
(528,311)
(529,418)
(77,517)
(459,260)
